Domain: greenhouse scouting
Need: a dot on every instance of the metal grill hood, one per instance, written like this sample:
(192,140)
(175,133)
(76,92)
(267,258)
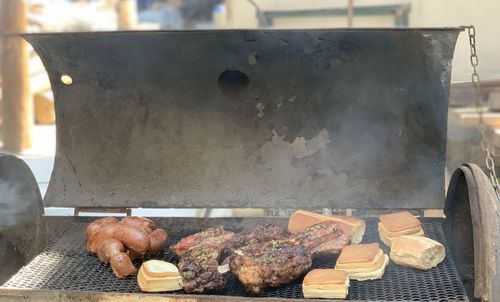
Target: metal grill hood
(250,118)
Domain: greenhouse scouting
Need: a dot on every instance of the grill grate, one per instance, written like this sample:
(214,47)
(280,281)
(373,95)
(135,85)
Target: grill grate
(65,265)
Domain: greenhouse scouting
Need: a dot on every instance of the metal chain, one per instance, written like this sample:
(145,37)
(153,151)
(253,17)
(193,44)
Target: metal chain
(485,145)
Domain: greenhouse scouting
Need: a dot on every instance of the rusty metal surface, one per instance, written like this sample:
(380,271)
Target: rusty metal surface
(284,119)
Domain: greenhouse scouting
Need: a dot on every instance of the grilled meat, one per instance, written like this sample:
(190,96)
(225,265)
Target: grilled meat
(322,238)
(271,263)
(198,269)
(333,246)
(262,256)
(200,254)
(256,234)
(211,236)
(278,262)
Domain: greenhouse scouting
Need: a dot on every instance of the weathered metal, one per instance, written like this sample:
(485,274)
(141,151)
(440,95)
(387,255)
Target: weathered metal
(22,228)
(472,228)
(306,118)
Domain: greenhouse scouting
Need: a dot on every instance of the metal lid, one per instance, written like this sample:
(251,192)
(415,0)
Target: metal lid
(250,118)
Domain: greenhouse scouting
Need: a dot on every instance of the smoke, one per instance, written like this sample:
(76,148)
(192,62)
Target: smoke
(13,208)
(20,200)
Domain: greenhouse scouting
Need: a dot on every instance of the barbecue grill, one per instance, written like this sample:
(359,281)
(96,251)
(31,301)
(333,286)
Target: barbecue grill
(346,120)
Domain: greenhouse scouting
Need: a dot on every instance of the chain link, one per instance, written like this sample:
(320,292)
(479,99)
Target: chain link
(485,145)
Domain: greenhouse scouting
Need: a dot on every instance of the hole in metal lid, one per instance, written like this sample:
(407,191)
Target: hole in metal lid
(233,82)
(66,79)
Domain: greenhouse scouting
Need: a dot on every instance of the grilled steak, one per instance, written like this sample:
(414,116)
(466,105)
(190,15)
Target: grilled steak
(278,262)
(322,238)
(199,261)
(256,234)
(333,246)
(271,263)
(211,236)
(198,269)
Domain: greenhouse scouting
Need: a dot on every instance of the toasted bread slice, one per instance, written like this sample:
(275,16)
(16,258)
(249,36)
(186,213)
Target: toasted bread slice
(363,261)
(326,283)
(400,221)
(373,275)
(325,276)
(363,267)
(387,239)
(358,253)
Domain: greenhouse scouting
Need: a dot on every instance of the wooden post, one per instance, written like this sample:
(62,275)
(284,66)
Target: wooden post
(1,56)
(350,8)
(16,97)
(127,14)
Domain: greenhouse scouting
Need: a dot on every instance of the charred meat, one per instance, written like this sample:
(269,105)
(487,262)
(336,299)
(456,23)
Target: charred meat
(322,238)
(333,246)
(278,262)
(212,236)
(198,269)
(256,234)
(200,254)
(270,264)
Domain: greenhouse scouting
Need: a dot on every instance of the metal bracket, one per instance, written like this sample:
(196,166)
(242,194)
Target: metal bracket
(126,211)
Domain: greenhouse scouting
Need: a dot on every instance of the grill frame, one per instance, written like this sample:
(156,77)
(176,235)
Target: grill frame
(68,239)
(19,237)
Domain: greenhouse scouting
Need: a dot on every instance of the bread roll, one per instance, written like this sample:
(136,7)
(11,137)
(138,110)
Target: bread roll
(388,239)
(363,261)
(394,225)
(326,283)
(122,265)
(158,276)
(417,252)
(399,221)
(351,226)
(94,226)
(371,275)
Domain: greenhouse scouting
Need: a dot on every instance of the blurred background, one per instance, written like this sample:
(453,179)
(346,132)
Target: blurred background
(27,118)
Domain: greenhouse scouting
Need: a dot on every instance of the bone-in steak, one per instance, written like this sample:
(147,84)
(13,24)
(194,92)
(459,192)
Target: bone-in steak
(322,238)
(271,263)
(200,255)
(198,269)
(278,262)
(256,234)
(212,236)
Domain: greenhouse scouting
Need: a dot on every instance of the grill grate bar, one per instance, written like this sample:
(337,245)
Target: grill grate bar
(66,265)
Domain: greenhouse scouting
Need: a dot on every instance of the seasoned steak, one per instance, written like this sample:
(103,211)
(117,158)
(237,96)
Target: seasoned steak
(255,234)
(200,254)
(333,246)
(270,264)
(322,238)
(211,236)
(278,262)
(198,269)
